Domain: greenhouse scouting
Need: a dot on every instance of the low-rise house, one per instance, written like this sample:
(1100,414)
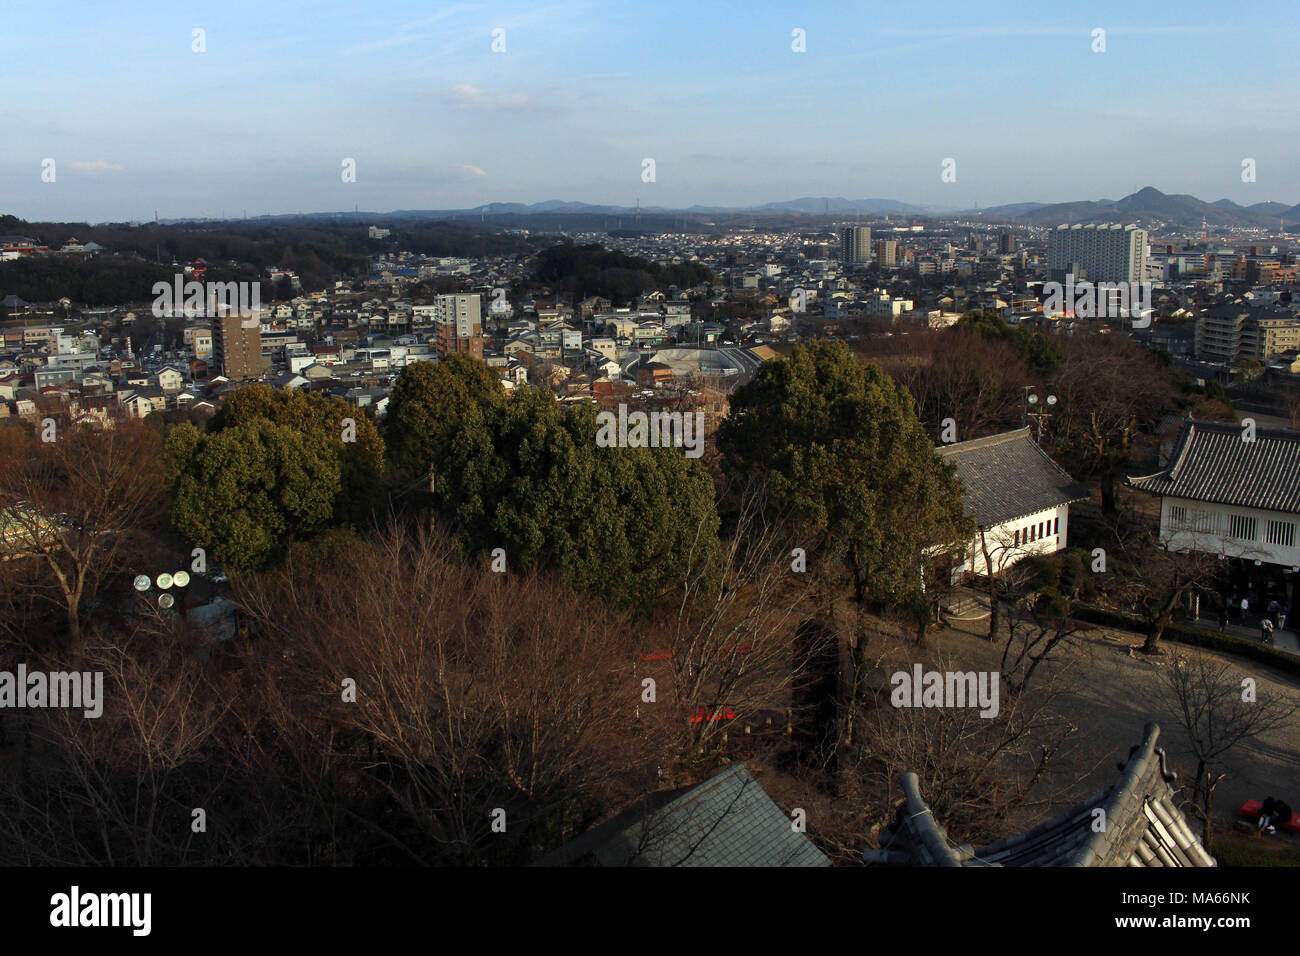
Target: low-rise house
(1017,496)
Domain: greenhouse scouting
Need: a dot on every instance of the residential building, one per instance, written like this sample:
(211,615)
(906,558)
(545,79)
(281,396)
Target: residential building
(855,245)
(1109,252)
(1236,331)
(458,324)
(237,350)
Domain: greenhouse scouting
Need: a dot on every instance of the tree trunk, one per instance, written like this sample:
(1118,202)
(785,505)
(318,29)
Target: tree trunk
(994,616)
(1207,826)
(1108,494)
(857,664)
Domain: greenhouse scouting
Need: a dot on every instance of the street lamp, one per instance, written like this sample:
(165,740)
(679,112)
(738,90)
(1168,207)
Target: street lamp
(1030,408)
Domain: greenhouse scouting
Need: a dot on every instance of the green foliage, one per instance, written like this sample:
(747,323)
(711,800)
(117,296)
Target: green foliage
(526,475)
(361,463)
(241,493)
(271,467)
(1195,636)
(840,443)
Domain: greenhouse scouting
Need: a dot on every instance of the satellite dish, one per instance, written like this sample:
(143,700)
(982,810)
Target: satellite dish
(164,581)
(181,578)
(166,601)
(141,582)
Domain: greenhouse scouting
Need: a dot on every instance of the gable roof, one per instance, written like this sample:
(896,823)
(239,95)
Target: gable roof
(1144,827)
(1008,476)
(728,820)
(1212,462)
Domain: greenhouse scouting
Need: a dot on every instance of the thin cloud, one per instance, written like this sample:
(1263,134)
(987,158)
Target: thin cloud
(467,96)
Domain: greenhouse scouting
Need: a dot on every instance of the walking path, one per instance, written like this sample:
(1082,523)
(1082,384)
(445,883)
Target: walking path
(1286,640)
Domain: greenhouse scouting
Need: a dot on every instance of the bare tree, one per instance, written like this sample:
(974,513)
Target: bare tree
(78,505)
(728,648)
(976,771)
(494,693)
(1218,708)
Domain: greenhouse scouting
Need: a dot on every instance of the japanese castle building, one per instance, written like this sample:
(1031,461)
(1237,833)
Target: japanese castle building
(1234,491)
(1143,827)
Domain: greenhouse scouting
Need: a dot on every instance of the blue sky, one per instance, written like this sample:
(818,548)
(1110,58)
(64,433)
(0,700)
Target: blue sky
(585,90)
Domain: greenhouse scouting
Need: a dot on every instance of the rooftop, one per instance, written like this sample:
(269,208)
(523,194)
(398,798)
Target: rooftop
(1008,476)
(1213,462)
(1143,827)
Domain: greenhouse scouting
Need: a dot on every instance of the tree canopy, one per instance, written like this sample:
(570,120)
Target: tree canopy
(841,444)
(271,467)
(526,475)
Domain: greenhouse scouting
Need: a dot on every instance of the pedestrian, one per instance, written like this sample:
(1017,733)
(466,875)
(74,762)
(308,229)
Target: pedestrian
(1266,813)
(1266,631)
(1245,608)
(1223,617)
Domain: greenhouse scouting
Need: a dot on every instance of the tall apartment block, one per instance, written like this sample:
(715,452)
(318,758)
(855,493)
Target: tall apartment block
(237,350)
(887,253)
(1108,252)
(458,324)
(855,245)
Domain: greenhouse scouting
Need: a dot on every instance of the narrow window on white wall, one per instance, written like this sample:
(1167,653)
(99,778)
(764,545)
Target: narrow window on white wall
(1241,527)
(1281,533)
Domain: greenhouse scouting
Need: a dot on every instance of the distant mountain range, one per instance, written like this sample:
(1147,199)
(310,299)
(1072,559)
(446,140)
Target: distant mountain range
(1148,207)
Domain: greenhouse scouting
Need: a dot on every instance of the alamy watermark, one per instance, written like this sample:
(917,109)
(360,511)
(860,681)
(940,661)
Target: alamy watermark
(69,689)
(196,299)
(946,689)
(1100,300)
(683,430)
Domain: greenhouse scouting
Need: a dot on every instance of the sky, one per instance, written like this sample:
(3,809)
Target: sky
(263,119)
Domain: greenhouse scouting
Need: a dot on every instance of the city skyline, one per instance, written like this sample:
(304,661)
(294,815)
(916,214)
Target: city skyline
(582,93)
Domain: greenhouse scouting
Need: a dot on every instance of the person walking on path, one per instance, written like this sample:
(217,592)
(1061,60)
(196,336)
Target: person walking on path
(1245,608)
(1266,631)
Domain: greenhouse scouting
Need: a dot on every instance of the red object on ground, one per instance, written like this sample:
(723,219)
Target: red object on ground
(1251,809)
(703,714)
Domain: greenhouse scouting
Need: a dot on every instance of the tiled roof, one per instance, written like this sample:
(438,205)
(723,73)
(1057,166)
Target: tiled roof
(728,820)
(1008,476)
(1212,462)
(1143,827)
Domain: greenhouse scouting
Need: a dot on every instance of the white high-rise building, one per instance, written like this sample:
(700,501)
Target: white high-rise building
(1109,252)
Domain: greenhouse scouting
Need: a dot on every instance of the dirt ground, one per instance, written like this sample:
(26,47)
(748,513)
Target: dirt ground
(1111,693)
